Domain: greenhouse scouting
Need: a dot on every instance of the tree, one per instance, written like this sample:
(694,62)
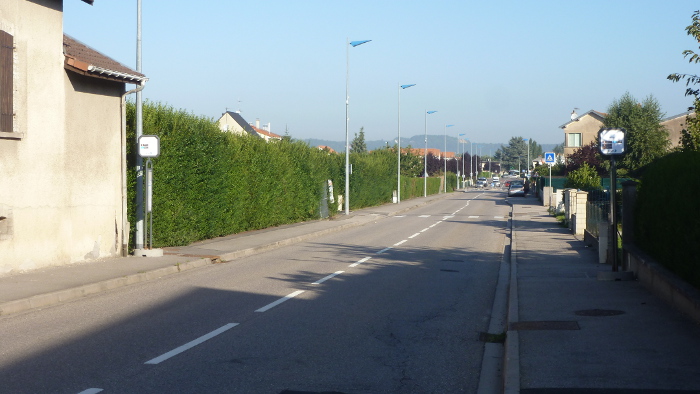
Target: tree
(514,155)
(559,149)
(690,137)
(647,139)
(358,144)
(584,178)
(588,154)
(690,79)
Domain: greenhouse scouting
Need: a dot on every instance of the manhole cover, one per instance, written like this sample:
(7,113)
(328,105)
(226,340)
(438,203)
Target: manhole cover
(599,312)
(545,325)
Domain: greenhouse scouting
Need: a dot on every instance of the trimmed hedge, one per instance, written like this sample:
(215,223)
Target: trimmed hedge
(208,183)
(667,215)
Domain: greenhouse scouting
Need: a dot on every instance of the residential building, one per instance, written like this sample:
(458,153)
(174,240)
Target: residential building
(62,142)
(674,125)
(581,130)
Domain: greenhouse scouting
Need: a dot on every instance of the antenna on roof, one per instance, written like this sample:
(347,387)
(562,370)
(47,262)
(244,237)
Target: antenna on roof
(239,106)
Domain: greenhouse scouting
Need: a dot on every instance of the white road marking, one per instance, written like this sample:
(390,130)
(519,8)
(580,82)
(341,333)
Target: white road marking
(414,235)
(447,217)
(399,216)
(473,217)
(90,391)
(192,344)
(281,300)
(384,250)
(425,229)
(318,282)
(399,243)
(435,224)
(498,217)
(360,262)
(424,216)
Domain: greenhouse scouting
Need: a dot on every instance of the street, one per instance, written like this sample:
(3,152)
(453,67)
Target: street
(396,305)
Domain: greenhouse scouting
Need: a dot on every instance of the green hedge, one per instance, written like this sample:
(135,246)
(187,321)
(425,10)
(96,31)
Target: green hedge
(667,215)
(208,183)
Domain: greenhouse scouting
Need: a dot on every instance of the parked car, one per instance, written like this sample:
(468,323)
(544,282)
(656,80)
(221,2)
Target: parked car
(507,184)
(516,188)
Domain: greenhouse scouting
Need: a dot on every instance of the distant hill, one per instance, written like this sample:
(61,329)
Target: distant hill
(418,141)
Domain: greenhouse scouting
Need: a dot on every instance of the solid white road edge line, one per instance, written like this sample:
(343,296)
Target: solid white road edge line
(281,300)
(359,262)
(318,282)
(191,344)
(90,391)
(384,250)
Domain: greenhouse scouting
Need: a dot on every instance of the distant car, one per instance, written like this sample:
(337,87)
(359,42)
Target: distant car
(480,182)
(496,181)
(507,183)
(516,188)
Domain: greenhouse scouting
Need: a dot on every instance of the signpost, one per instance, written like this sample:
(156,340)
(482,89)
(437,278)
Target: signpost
(149,147)
(612,142)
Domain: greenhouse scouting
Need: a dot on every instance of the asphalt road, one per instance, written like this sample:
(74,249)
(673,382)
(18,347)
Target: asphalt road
(395,306)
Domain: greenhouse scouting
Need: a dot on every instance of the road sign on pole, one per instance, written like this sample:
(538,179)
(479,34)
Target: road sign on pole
(549,157)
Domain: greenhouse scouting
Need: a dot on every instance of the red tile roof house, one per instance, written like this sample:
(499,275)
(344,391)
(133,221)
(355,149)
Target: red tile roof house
(62,142)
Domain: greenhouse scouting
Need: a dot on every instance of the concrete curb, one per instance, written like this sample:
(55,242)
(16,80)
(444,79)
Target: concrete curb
(511,363)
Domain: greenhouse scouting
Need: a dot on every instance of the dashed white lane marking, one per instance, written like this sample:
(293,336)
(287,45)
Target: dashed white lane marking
(400,242)
(447,217)
(192,344)
(414,235)
(384,250)
(90,391)
(435,224)
(360,262)
(424,216)
(399,216)
(281,300)
(498,217)
(318,282)
(473,217)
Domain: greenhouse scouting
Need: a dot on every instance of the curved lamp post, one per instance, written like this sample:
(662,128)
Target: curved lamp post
(347,121)
(398,170)
(425,156)
(444,154)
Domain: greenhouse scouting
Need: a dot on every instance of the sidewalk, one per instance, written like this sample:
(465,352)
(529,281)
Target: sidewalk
(50,286)
(568,330)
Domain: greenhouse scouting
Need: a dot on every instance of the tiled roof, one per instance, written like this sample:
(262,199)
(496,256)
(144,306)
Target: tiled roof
(267,133)
(241,122)
(82,59)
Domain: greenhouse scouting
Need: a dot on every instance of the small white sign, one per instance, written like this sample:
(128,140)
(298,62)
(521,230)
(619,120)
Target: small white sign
(149,146)
(612,141)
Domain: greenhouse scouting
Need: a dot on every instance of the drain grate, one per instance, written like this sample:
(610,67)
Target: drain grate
(544,325)
(599,312)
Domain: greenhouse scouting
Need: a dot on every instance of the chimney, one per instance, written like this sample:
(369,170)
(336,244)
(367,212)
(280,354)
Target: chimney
(257,123)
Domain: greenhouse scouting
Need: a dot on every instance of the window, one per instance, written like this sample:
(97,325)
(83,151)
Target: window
(6,88)
(573,140)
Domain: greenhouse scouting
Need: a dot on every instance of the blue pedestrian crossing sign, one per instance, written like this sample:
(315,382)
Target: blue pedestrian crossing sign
(549,157)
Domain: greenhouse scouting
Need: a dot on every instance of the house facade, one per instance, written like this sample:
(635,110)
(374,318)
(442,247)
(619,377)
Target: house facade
(674,125)
(233,122)
(62,142)
(581,130)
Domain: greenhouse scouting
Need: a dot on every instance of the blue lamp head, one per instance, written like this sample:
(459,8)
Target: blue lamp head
(407,86)
(356,43)
(431,112)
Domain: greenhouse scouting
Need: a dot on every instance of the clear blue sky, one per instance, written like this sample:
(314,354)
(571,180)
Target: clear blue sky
(494,69)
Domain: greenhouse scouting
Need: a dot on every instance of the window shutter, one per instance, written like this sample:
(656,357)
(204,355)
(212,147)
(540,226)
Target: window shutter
(6,74)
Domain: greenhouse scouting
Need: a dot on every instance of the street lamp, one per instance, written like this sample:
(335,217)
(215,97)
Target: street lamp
(398,170)
(462,149)
(425,156)
(527,172)
(444,154)
(347,120)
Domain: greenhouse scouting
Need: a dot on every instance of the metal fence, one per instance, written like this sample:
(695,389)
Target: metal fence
(597,210)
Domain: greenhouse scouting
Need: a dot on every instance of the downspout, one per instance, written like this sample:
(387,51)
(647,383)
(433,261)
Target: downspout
(125,218)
